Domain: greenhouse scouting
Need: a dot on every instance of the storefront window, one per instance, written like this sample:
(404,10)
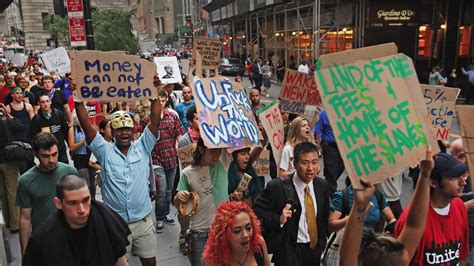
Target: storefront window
(464,40)
(424,41)
(336,41)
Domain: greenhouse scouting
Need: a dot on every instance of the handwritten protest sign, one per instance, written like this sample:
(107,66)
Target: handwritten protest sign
(272,122)
(112,77)
(262,164)
(57,60)
(298,90)
(465,115)
(440,102)
(225,115)
(209,50)
(168,69)
(375,107)
(185,155)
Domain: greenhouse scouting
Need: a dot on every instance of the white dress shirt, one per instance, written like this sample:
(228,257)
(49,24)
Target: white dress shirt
(303,235)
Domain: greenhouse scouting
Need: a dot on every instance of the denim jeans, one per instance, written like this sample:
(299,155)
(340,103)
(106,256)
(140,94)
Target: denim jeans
(165,185)
(198,242)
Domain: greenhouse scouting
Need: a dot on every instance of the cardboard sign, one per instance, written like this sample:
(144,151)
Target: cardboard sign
(225,115)
(57,60)
(298,90)
(210,52)
(272,122)
(465,114)
(185,155)
(262,164)
(168,69)
(440,102)
(112,77)
(376,110)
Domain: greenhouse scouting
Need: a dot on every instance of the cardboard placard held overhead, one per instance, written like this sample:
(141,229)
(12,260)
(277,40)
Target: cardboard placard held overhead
(57,60)
(262,164)
(168,70)
(440,102)
(465,115)
(298,90)
(376,110)
(210,52)
(225,115)
(112,77)
(272,122)
(185,155)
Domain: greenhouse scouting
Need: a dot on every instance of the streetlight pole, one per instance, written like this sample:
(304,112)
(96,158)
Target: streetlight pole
(88,25)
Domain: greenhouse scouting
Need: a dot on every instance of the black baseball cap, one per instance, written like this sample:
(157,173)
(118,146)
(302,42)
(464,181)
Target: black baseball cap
(448,166)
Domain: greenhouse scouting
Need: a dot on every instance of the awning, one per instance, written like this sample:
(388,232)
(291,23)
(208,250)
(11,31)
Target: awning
(216,4)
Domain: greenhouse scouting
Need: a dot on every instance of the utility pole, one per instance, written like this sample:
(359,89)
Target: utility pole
(88,25)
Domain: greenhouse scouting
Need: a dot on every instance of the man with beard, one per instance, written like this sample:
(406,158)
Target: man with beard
(445,240)
(36,187)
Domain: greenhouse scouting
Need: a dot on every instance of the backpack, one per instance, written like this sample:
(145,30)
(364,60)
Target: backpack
(274,239)
(15,150)
(331,252)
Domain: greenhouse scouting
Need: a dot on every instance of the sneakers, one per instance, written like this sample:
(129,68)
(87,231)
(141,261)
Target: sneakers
(160,227)
(169,220)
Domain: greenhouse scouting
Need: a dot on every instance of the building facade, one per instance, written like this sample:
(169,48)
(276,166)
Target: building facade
(36,14)
(11,24)
(432,32)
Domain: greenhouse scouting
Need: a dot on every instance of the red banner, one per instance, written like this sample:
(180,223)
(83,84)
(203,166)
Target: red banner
(77,33)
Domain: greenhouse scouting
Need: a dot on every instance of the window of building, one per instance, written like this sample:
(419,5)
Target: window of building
(464,40)
(424,41)
(46,20)
(336,41)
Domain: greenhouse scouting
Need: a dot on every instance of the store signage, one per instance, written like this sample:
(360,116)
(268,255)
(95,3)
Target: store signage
(396,15)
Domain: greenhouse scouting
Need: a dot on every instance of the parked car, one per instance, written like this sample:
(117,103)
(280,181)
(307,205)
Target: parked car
(231,66)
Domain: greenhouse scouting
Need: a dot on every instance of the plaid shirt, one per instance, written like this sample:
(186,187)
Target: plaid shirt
(164,152)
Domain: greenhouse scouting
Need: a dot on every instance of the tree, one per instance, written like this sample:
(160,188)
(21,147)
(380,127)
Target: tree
(113,31)
(58,28)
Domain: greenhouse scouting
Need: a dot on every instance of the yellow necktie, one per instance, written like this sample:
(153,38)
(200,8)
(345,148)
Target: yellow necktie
(310,218)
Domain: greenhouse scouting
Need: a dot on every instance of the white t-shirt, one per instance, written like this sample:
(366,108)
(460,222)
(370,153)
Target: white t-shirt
(287,159)
(303,68)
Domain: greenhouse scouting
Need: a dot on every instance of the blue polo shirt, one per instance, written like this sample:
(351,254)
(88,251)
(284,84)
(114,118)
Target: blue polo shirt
(323,129)
(125,178)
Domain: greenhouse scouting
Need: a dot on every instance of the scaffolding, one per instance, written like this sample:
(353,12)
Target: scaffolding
(294,32)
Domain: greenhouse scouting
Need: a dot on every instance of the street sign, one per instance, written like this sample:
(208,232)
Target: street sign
(77,32)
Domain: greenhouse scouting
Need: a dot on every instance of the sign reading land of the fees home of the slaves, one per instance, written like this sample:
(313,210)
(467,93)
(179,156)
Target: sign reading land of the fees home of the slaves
(375,107)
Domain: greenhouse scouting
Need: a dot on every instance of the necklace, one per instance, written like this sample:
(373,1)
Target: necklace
(243,262)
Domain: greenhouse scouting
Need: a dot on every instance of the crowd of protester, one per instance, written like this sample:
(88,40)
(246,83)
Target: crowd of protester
(299,217)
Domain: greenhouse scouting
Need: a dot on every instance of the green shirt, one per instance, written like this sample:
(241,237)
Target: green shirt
(210,183)
(37,189)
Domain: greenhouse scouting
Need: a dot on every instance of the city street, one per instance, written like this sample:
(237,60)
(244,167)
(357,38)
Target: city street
(168,248)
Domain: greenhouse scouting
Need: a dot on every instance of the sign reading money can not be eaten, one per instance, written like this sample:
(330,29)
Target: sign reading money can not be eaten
(112,77)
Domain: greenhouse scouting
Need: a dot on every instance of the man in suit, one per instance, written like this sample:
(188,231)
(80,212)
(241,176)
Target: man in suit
(294,211)
(169,72)
(257,74)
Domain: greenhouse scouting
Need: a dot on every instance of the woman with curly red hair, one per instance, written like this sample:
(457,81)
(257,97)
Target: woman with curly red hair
(234,238)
